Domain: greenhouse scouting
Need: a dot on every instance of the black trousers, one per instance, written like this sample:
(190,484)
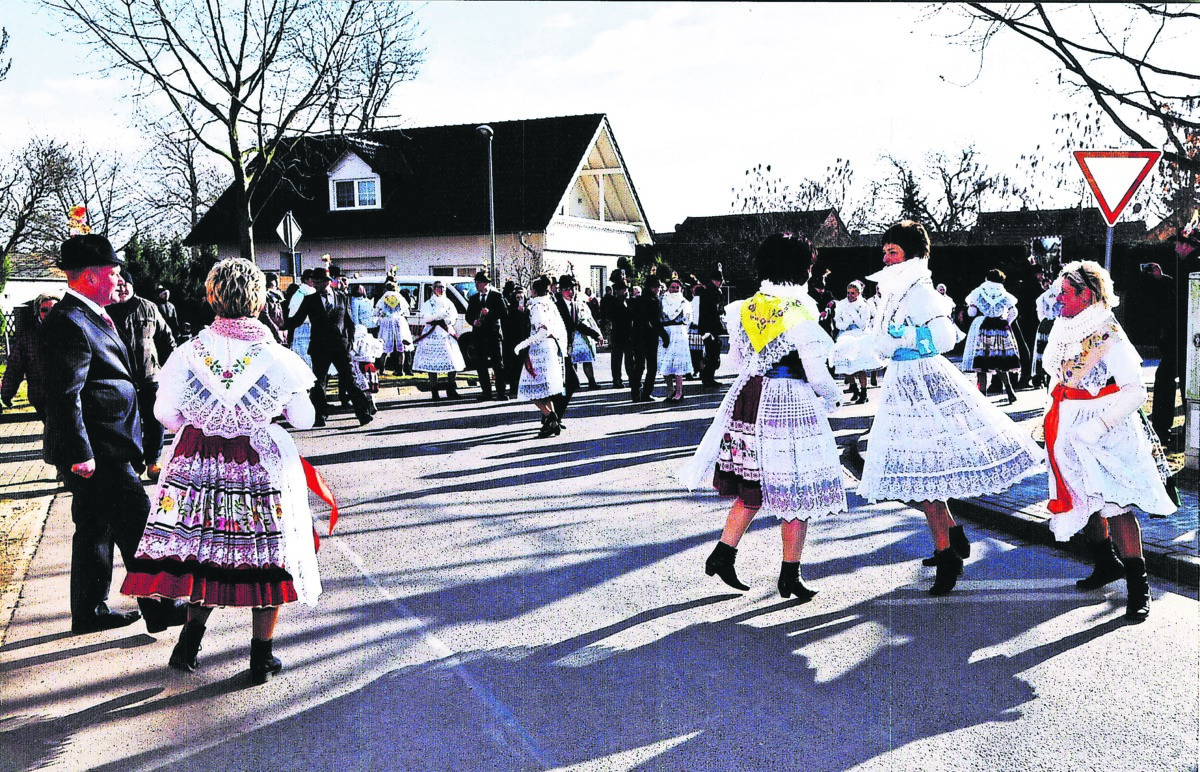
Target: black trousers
(618,351)
(109,509)
(712,358)
(1162,412)
(571,382)
(645,361)
(336,356)
(490,353)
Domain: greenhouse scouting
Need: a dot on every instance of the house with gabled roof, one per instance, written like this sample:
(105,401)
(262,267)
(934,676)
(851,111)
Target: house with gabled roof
(31,274)
(415,201)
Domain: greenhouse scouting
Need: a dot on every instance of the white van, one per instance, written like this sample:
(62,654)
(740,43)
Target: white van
(420,289)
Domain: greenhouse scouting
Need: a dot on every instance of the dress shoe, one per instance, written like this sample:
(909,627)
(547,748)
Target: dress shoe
(484,398)
(618,385)
(710,383)
(502,398)
(319,422)
(106,620)
(153,471)
(365,419)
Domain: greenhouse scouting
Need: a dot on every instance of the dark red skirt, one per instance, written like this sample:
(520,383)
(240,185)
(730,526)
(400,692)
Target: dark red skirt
(737,473)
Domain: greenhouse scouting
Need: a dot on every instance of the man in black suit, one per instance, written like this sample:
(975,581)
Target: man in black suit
(617,312)
(648,330)
(564,301)
(486,310)
(329,344)
(94,436)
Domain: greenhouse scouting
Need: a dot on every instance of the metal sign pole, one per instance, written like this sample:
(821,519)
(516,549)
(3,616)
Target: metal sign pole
(1108,251)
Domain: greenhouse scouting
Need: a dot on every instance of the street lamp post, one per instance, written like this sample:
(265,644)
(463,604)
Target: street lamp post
(486,131)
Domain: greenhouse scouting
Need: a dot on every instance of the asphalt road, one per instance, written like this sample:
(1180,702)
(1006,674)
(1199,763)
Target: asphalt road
(498,602)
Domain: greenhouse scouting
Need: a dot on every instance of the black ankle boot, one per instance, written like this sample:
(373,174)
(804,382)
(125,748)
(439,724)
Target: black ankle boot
(550,426)
(1109,567)
(960,542)
(263,664)
(720,562)
(183,656)
(949,566)
(790,583)
(1137,607)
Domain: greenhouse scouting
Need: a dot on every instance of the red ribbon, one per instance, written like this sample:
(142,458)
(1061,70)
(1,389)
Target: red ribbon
(317,484)
(1062,500)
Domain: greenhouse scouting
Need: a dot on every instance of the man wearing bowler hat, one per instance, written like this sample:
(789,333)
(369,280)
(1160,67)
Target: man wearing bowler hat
(94,435)
(485,313)
(329,344)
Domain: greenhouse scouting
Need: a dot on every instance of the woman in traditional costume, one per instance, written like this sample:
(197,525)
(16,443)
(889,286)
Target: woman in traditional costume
(587,335)
(302,334)
(543,374)
(935,436)
(853,354)
(675,360)
(391,314)
(991,345)
(1047,312)
(770,445)
(230,523)
(1104,457)
(437,346)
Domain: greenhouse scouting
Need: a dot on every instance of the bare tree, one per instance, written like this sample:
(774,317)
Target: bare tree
(946,195)
(30,216)
(523,264)
(1136,61)
(5,66)
(98,180)
(257,73)
(764,192)
(180,183)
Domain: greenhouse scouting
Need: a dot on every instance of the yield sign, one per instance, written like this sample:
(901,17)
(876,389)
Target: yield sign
(289,231)
(1114,175)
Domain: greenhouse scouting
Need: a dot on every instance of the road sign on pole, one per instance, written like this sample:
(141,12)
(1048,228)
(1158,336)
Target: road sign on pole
(289,231)
(1114,176)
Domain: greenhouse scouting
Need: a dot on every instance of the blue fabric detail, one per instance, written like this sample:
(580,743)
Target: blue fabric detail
(925,342)
(793,372)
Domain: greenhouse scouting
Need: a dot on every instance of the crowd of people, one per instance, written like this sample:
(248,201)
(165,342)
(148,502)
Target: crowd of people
(229,523)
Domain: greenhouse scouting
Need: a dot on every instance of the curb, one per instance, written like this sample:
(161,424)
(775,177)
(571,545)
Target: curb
(10,595)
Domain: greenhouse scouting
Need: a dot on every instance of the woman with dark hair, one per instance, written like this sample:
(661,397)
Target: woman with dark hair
(770,443)
(935,436)
(543,374)
(991,346)
(229,524)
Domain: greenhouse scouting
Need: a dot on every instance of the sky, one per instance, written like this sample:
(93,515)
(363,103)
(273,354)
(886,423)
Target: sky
(696,93)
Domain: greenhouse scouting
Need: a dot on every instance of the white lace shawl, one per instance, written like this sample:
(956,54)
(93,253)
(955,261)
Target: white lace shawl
(302,291)
(546,322)
(1066,341)
(438,308)
(583,315)
(993,301)
(1047,304)
(227,387)
(391,305)
(849,314)
(676,308)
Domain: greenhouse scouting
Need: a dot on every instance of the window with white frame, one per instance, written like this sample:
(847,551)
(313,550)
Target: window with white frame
(354,194)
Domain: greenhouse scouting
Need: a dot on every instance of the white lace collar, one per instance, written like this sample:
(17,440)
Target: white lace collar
(895,281)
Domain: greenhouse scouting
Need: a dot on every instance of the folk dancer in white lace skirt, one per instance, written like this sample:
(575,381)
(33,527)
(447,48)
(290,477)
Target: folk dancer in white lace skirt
(991,345)
(771,445)
(542,370)
(1104,457)
(853,354)
(587,335)
(675,360)
(230,523)
(391,314)
(437,346)
(935,436)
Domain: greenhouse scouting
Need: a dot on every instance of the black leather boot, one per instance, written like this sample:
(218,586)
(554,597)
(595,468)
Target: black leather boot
(790,583)
(720,562)
(1137,607)
(949,566)
(263,665)
(1109,567)
(183,656)
(960,542)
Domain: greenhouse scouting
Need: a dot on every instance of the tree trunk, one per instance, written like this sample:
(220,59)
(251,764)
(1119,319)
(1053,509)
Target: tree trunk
(245,223)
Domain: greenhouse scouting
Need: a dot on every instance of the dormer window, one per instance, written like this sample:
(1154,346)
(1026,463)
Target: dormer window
(355,194)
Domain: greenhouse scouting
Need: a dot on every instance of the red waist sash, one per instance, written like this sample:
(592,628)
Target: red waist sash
(1062,499)
(317,484)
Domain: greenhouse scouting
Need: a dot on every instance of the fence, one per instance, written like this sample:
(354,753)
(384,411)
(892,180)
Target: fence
(8,326)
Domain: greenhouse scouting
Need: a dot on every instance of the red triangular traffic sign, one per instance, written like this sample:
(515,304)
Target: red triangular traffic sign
(1114,176)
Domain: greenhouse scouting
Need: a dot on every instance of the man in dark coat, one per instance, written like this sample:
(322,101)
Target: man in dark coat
(166,309)
(93,435)
(24,361)
(566,283)
(329,344)
(486,310)
(616,311)
(150,342)
(516,329)
(710,326)
(648,330)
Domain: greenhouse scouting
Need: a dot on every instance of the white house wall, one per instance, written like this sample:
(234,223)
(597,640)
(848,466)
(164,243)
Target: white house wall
(18,291)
